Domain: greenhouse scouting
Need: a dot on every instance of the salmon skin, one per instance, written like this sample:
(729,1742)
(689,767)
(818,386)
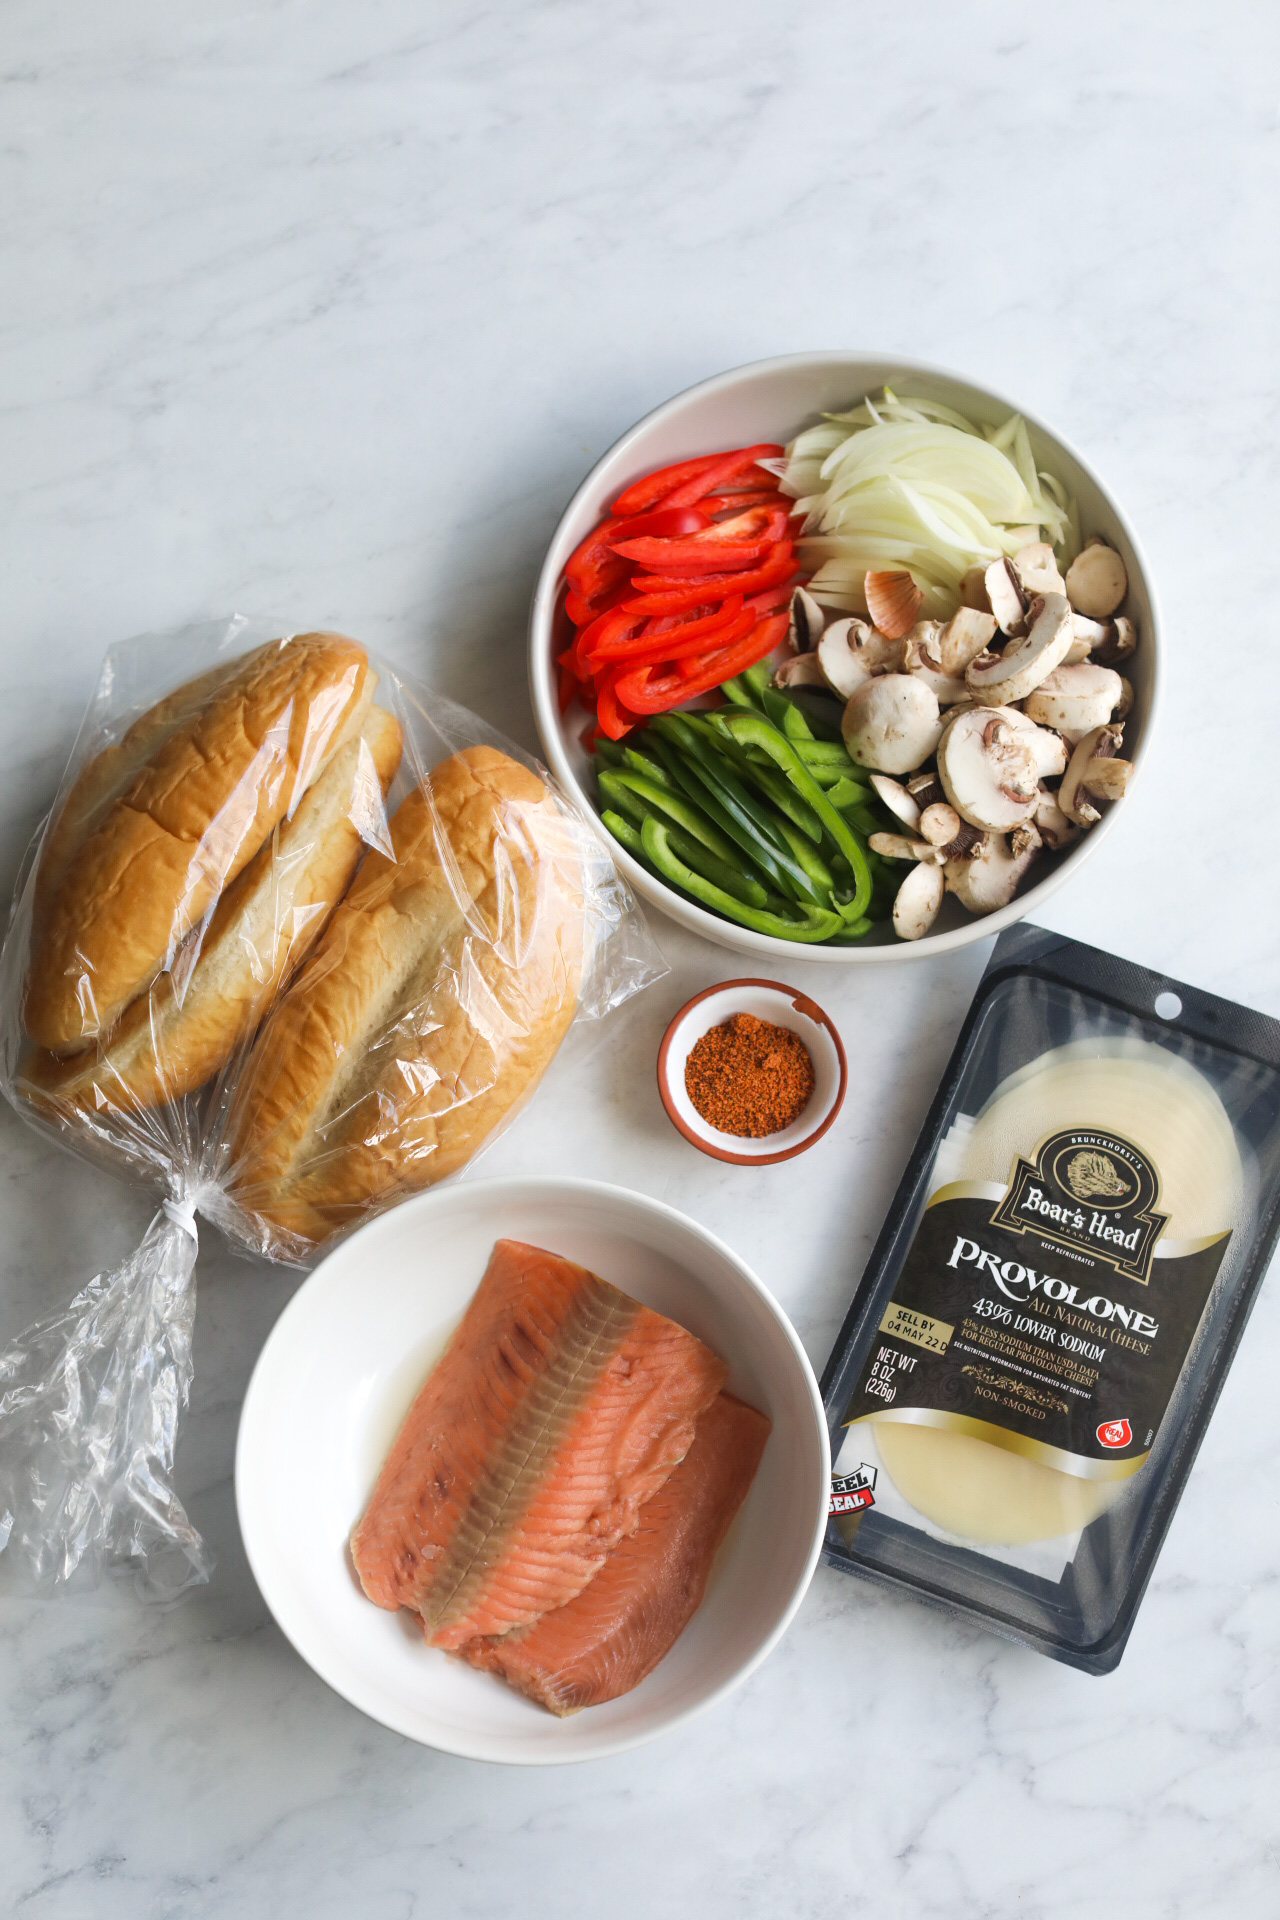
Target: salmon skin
(608,1637)
(560,1406)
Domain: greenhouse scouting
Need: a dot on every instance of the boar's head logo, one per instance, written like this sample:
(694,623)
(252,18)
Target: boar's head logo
(1095,1176)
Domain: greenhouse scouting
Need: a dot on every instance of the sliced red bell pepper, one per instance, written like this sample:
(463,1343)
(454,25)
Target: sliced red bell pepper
(613,720)
(582,611)
(734,502)
(669,592)
(653,487)
(645,691)
(592,567)
(675,646)
(618,644)
(772,600)
(617,622)
(727,467)
(666,522)
(724,544)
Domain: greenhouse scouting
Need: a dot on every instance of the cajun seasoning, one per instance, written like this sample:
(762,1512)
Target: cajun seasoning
(749,1077)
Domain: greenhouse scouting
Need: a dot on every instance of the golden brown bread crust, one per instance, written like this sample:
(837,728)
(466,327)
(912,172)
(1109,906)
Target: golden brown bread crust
(264,925)
(105,777)
(443,986)
(137,866)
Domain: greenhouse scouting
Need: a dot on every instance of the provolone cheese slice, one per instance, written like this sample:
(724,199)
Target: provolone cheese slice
(1147,1095)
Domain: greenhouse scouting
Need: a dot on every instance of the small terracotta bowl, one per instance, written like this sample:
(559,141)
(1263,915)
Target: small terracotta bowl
(785,1007)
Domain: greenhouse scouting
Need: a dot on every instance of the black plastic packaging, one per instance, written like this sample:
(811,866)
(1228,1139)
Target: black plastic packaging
(1044,998)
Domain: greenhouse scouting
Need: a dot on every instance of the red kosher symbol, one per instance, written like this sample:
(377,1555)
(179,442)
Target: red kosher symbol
(1115,1433)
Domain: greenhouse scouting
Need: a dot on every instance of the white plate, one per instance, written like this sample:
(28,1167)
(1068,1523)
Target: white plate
(339,1372)
(773,400)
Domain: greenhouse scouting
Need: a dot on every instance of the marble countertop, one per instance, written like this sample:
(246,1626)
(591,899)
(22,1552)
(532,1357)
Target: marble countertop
(322,311)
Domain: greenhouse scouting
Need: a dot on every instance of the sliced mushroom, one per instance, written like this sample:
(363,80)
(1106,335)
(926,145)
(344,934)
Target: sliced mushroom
(1124,705)
(1037,569)
(1085,636)
(1005,596)
(925,788)
(965,844)
(1075,700)
(1097,581)
(892,723)
(1001,678)
(850,651)
(841,664)
(1052,824)
(804,629)
(1048,748)
(896,846)
(799,670)
(1122,638)
(989,877)
(939,824)
(1094,775)
(988,769)
(916,904)
(967,634)
(973,589)
(920,655)
(897,799)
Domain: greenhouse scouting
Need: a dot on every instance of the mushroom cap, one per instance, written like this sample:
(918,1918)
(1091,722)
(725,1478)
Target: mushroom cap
(1097,581)
(1052,824)
(1005,596)
(1076,699)
(939,824)
(799,670)
(1048,748)
(897,799)
(1121,639)
(807,620)
(1094,773)
(892,723)
(1002,678)
(988,877)
(988,768)
(839,662)
(966,635)
(921,655)
(973,589)
(916,904)
(850,651)
(896,846)
(1037,569)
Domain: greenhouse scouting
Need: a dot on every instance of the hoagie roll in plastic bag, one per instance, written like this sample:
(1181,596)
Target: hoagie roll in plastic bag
(296,939)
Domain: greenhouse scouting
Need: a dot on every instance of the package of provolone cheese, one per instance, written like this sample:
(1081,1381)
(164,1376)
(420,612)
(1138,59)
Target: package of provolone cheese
(1035,1349)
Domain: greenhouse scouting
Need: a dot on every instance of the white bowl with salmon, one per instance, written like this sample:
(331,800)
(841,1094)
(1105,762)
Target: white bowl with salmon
(893,549)
(533,1470)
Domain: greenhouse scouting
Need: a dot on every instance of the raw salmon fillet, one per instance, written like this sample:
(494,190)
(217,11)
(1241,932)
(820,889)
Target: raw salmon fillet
(605,1640)
(560,1406)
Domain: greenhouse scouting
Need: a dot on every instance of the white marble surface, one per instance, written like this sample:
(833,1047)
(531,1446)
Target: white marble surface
(323,310)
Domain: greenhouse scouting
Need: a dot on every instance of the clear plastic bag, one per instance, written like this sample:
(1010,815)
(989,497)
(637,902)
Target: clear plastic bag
(298,938)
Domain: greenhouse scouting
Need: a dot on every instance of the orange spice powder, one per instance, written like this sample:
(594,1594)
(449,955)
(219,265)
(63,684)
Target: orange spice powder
(749,1077)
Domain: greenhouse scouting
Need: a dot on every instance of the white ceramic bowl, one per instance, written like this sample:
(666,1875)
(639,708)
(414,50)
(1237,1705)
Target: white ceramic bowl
(784,1007)
(339,1372)
(773,400)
